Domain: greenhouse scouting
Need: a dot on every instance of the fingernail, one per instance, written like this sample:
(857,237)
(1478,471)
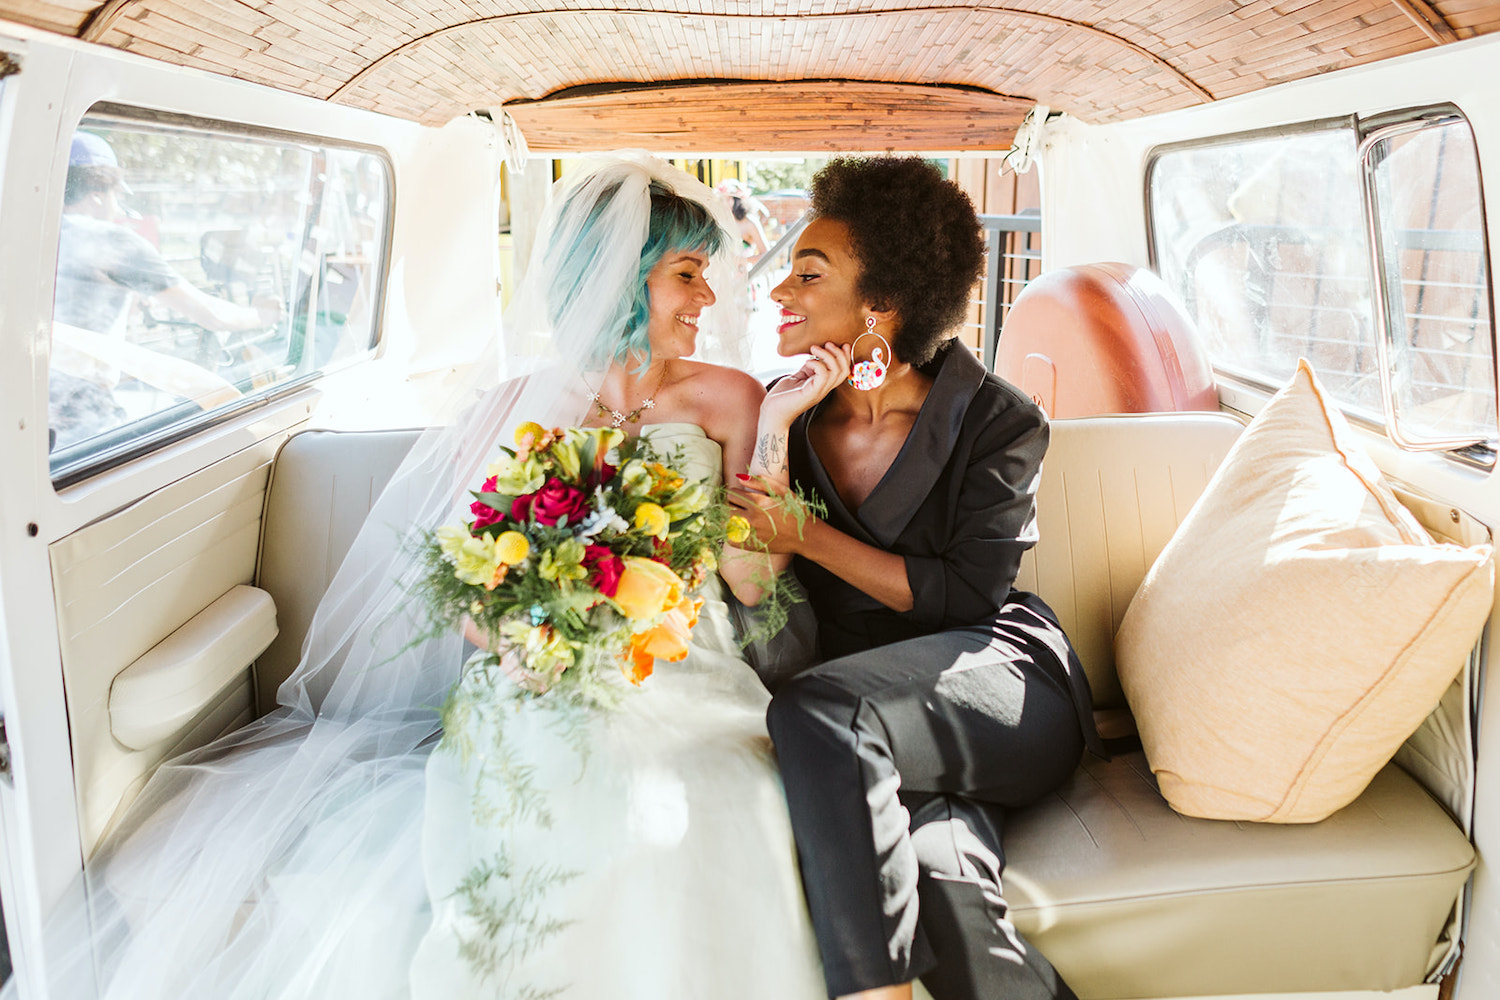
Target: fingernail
(741,475)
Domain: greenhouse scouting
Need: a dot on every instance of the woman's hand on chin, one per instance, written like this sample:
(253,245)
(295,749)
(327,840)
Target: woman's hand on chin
(829,365)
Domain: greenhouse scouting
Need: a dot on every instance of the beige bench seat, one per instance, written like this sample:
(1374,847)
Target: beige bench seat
(1130,899)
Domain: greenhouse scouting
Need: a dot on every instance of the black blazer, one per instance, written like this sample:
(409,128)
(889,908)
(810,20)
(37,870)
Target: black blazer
(958,504)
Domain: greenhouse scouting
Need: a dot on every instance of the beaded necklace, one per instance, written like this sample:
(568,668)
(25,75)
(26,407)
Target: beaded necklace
(616,417)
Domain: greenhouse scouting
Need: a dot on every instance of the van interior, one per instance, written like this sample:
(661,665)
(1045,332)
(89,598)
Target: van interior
(1182,199)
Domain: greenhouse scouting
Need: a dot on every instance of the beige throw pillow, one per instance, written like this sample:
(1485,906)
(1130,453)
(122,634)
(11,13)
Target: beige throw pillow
(1297,628)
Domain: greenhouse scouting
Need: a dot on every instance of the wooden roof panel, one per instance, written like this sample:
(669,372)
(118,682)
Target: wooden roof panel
(430,60)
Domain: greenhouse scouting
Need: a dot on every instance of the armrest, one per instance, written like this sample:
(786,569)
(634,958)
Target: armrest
(174,680)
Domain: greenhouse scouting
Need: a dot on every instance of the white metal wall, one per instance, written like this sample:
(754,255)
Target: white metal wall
(441,309)
(1090,172)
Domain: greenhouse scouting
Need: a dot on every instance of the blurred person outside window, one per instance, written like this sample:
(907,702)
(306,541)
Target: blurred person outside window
(101,265)
(747,211)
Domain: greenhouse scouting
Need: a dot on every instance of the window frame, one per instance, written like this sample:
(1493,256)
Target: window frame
(127,443)
(1372,132)
(1480,453)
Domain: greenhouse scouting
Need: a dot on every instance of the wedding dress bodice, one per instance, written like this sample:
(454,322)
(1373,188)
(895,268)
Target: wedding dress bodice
(702,458)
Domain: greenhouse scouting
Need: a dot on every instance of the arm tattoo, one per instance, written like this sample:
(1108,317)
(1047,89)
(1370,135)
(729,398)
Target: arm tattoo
(770,451)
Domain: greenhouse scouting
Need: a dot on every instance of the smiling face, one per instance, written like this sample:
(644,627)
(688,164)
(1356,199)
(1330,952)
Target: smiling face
(678,294)
(819,300)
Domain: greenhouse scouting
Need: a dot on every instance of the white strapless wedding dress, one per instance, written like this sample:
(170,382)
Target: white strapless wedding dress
(640,853)
(282,862)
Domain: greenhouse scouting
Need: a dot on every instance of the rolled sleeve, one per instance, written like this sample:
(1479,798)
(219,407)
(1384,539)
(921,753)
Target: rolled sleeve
(993,524)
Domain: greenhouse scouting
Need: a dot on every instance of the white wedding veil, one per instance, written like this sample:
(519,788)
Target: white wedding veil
(283,860)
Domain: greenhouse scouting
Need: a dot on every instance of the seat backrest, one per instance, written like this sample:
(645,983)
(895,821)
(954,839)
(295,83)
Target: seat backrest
(1113,491)
(323,483)
(1104,338)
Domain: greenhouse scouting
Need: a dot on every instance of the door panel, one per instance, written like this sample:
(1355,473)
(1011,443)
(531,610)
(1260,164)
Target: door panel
(124,583)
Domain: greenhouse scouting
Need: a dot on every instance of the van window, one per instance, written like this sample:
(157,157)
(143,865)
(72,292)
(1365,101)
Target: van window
(1265,241)
(1342,242)
(200,269)
(1429,230)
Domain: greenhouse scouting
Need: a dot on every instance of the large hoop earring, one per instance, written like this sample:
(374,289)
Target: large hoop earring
(868,375)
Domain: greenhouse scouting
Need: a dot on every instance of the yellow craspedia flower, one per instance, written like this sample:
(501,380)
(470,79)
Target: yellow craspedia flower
(652,519)
(512,547)
(737,530)
(529,430)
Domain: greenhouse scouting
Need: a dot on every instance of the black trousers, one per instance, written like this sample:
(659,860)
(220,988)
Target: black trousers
(899,764)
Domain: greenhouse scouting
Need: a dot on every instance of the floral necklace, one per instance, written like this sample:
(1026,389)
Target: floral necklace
(615,416)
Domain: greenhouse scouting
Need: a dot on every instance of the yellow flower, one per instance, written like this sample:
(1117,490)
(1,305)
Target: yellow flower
(663,479)
(475,562)
(565,562)
(451,538)
(528,434)
(647,588)
(542,649)
(605,438)
(565,460)
(635,478)
(651,519)
(512,547)
(516,476)
(737,530)
(689,500)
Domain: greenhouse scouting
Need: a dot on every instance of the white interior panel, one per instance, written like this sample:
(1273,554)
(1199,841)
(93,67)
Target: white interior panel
(123,584)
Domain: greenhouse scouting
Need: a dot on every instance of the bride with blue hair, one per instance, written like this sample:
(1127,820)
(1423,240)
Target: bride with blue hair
(644,851)
(343,846)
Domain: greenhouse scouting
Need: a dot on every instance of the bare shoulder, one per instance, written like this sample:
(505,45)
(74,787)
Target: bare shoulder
(725,402)
(719,387)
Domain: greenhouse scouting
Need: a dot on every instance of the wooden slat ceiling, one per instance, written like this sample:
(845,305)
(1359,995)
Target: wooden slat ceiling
(883,73)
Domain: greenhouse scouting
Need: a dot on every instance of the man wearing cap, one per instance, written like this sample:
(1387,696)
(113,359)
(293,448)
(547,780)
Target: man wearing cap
(100,264)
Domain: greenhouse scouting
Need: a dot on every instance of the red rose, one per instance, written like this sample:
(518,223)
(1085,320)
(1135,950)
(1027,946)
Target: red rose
(553,502)
(484,514)
(604,569)
(605,473)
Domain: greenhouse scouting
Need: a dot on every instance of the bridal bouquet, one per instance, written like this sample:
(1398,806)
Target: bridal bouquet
(584,549)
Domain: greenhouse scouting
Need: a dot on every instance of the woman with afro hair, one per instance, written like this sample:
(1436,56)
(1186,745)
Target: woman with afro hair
(944,697)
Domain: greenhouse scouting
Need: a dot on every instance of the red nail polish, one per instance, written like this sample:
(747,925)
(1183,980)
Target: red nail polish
(741,475)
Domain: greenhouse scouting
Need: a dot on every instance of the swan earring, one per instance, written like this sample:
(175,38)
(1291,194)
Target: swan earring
(870,374)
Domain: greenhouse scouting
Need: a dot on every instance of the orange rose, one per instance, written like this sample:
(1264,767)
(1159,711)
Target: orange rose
(667,640)
(647,588)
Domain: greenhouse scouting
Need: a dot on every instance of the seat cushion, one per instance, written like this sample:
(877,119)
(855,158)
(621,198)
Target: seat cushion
(1130,899)
(322,486)
(1298,627)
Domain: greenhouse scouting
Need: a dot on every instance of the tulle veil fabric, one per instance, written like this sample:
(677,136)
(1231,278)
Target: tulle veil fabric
(282,860)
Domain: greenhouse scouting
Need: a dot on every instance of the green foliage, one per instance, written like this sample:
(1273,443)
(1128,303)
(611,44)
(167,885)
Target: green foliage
(782,175)
(503,900)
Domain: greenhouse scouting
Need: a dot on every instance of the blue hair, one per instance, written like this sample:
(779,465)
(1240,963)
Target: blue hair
(677,223)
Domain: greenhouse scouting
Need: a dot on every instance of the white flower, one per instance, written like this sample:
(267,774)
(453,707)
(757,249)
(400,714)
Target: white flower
(603,517)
